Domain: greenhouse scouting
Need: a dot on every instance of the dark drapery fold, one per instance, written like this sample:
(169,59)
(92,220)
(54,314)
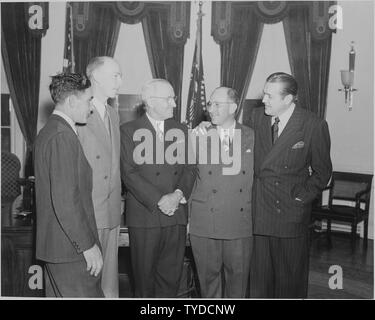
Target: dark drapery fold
(296,30)
(319,74)
(166,56)
(21,52)
(309,59)
(238,54)
(102,38)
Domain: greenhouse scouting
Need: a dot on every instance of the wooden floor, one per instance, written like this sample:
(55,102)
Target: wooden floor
(357,269)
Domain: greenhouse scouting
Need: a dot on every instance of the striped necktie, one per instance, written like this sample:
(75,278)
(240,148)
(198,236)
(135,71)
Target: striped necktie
(275,130)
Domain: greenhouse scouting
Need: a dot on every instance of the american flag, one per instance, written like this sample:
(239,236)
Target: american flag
(196,103)
(68,63)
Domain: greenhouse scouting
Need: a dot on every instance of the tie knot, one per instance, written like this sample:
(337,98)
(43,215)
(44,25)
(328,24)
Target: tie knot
(277,120)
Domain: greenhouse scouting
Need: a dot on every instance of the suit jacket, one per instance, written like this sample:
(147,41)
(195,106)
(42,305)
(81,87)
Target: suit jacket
(281,172)
(65,224)
(221,204)
(147,183)
(103,153)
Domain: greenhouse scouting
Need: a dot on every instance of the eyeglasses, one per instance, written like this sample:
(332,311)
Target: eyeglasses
(216,104)
(169,99)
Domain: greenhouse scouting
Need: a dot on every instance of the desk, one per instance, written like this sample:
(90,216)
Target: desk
(17,254)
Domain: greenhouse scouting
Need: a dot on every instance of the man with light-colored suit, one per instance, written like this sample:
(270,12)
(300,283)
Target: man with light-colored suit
(292,165)
(100,139)
(220,222)
(66,233)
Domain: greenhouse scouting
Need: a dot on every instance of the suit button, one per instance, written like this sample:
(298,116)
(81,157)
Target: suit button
(278,210)
(285,167)
(277,201)
(243,172)
(106,177)
(277,183)
(209,172)
(241,209)
(240,190)
(97,157)
(175,173)
(157,173)
(212,209)
(214,190)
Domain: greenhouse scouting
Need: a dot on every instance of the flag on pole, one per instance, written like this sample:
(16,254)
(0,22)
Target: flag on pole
(196,103)
(68,63)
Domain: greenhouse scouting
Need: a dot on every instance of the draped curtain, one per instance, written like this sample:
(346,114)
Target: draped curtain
(309,58)
(166,56)
(296,30)
(21,52)
(238,54)
(101,39)
(237,26)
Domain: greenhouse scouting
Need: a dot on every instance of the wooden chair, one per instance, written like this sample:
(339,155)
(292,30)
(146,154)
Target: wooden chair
(355,190)
(10,174)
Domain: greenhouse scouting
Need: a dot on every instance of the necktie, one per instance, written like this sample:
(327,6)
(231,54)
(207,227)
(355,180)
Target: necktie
(159,130)
(225,142)
(275,130)
(107,121)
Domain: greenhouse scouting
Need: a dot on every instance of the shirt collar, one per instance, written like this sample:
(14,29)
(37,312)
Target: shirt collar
(66,118)
(229,130)
(284,117)
(156,123)
(99,106)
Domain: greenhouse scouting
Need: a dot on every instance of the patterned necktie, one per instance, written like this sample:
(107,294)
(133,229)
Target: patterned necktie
(107,121)
(225,142)
(159,130)
(275,130)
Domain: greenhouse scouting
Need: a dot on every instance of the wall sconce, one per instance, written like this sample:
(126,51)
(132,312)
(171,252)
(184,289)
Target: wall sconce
(347,79)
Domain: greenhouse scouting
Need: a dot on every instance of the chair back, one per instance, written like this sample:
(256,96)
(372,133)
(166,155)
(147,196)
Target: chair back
(10,173)
(347,186)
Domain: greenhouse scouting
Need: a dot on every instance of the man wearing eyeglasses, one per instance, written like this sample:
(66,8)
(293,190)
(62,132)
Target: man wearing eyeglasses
(220,223)
(156,210)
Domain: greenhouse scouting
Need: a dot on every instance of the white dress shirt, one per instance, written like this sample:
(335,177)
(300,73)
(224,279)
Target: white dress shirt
(157,124)
(228,131)
(100,107)
(66,118)
(284,118)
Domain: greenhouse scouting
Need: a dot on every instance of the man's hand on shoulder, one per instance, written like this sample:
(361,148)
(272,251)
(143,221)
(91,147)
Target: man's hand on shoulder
(94,260)
(202,127)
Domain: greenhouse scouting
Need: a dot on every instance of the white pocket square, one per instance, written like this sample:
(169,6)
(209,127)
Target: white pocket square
(298,145)
(248,150)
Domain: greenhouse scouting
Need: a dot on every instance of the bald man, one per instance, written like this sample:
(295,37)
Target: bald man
(100,140)
(220,221)
(156,210)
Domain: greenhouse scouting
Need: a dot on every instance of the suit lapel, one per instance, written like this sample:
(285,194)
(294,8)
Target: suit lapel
(294,125)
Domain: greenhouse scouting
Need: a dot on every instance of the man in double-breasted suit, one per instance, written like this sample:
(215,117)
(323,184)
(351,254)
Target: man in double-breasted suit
(220,224)
(157,189)
(292,165)
(66,233)
(100,139)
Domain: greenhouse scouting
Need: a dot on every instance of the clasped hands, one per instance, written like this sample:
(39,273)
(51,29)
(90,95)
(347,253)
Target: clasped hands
(169,203)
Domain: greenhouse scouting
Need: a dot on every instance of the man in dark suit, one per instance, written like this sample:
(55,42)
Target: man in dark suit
(292,165)
(66,233)
(157,190)
(220,224)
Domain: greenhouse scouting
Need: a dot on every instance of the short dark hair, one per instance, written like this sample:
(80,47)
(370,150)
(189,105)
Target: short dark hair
(64,85)
(290,84)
